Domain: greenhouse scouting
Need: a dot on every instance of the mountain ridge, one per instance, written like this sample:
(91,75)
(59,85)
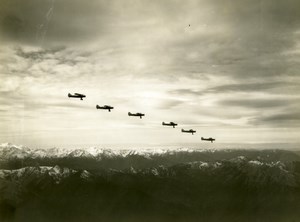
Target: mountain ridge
(168,185)
(8,150)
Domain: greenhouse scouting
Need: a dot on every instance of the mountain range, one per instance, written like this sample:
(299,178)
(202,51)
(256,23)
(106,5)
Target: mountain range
(148,185)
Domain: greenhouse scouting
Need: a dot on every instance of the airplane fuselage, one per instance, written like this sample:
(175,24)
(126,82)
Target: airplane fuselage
(188,131)
(208,139)
(109,108)
(169,124)
(136,114)
(76,95)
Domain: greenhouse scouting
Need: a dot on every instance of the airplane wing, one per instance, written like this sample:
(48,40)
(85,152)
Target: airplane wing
(78,94)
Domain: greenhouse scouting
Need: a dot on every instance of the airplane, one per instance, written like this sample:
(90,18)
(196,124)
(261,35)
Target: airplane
(188,131)
(169,124)
(76,95)
(136,114)
(104,107)
(208,139)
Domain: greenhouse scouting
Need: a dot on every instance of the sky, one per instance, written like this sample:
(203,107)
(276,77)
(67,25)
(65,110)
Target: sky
(225,68)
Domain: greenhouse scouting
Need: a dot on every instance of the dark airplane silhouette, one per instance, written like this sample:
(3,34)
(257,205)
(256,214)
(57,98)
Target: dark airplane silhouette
(208,139)
(136,114)
(104,107)
(169,124)
(76,95)
(188,131)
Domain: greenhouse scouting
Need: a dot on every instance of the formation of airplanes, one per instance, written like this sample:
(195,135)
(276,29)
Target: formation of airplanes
(109,108)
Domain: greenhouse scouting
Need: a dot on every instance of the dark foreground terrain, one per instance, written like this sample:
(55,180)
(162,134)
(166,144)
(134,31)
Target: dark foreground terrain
(225,185)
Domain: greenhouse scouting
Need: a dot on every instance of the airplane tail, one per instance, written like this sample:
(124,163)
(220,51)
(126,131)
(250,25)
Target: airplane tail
(69,94)
(129,113)
(163,123)
(97,106)
(182,130)
(202,138)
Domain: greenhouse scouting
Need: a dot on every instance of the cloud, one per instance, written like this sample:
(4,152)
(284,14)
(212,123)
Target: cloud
(236,64)
(38,54)
(58,20)
(227,38)
(169,103)
(283,87)
(251,44)
(271,88)
(257,103)
(287,119)
(186,92)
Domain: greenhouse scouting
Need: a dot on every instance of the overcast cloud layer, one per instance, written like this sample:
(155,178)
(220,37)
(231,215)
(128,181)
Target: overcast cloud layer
(226,68)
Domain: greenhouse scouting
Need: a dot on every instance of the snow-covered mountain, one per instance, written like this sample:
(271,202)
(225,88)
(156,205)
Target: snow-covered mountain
(33,173)
(80,153)
(8,151)
(196,181)
(254,173)
(13,156)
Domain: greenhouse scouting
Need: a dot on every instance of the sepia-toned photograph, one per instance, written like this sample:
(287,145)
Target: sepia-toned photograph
(149,110)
